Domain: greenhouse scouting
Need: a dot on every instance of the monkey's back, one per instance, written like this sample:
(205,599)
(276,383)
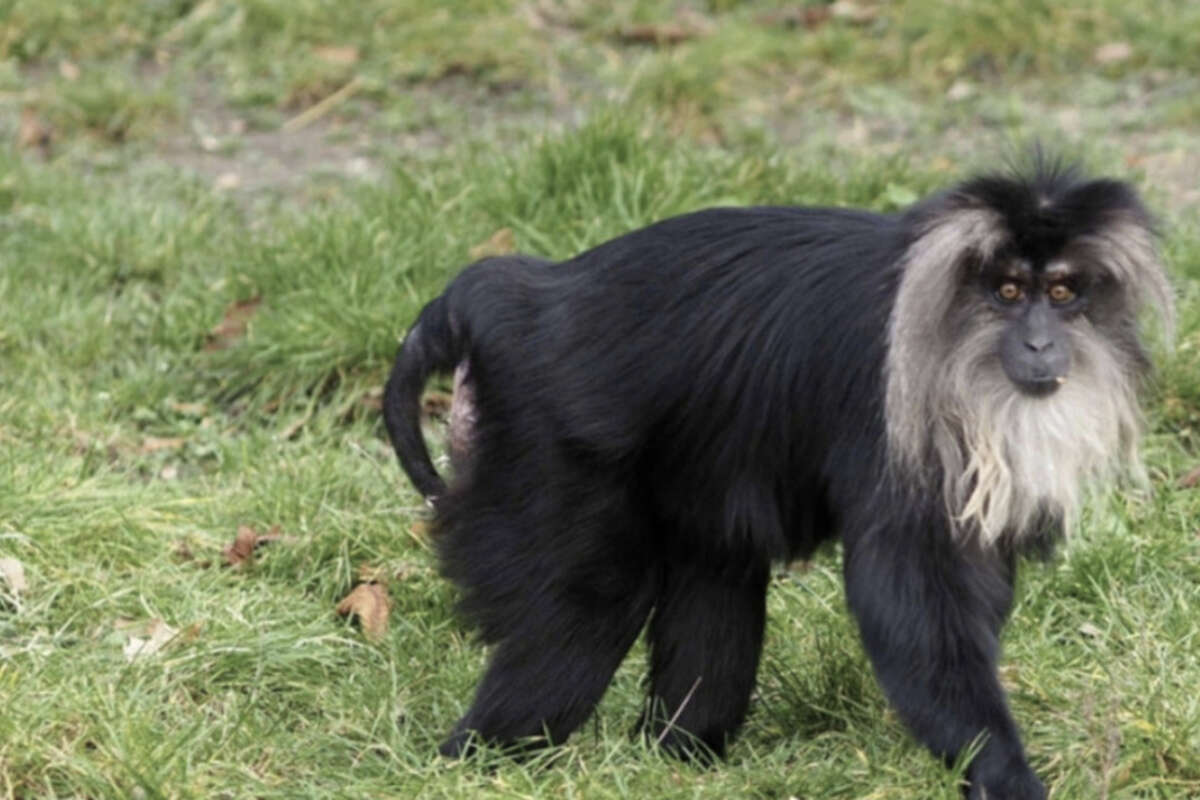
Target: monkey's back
(687,358)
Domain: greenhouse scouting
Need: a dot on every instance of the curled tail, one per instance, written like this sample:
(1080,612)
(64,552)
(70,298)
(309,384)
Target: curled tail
(431,346)
(438,342)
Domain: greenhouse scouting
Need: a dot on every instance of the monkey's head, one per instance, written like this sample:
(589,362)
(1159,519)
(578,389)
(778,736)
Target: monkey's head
(1015,355)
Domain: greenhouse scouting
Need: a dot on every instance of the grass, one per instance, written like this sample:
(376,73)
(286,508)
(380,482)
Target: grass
(134,442)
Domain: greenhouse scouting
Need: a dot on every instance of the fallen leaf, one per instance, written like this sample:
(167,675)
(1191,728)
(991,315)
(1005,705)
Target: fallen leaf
(500,243)
(13,572)
(368,602)
(233,325)
(436,404)
(33,131)
(372,399)
(669,33)
(1191,479)
(190,409)
(799,567)
(154,444)
(420,532)
(854,13)
(942,164)
(335,54)
(69,70)
(183,553)
(960,90)
(809,17)
(373,573)
(1113,53)
(227,181)
(370,573)
(295,426)
(241,551)
(158,634)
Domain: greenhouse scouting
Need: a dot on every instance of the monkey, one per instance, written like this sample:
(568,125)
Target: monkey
(660,419)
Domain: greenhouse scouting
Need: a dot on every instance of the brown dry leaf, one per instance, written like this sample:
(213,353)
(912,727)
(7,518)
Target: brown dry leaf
(69,70)
(233,325)
(687,27)
(1113,53)
(942,164)
(369,603)
(1135,160)
(184,554)
(370,573)
(372,399)
(33,131)
(854,13)
(420,531)
(960,90)
(84,443)
(501,243)
(341,55)
(241,551)
(190,409)
(809,17)
(436,404)
(227,181)
(154,444)
(158,634)
(13,573)
(295,426)
(1190,480)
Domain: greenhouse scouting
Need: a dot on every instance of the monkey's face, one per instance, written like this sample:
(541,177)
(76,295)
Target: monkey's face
(1037,307)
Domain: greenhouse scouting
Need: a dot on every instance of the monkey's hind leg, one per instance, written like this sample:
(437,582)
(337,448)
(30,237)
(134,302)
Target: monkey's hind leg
(563,607)
(705,639)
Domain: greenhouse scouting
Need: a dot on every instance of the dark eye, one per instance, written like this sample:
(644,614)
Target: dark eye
(1060,293)
(1009,292)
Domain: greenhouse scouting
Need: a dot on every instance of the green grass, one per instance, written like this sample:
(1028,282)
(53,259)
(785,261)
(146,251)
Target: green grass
(131,450)
(276,57)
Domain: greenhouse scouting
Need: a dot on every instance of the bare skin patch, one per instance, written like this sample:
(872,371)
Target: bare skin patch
(463,417)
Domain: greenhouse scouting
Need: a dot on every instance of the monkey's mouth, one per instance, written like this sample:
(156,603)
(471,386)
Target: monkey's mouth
(1041,387)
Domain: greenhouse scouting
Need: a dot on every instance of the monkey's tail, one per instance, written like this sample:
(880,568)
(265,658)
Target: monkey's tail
(432,346)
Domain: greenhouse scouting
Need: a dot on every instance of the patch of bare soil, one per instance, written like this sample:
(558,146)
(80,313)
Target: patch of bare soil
(1129,127)
(217,143)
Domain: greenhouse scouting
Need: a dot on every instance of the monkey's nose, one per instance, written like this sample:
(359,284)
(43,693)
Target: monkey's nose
(1039,344)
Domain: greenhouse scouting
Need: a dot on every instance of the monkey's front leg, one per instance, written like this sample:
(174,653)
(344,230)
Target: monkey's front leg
(930,613)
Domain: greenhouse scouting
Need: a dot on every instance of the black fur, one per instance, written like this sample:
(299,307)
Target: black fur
(664,416)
